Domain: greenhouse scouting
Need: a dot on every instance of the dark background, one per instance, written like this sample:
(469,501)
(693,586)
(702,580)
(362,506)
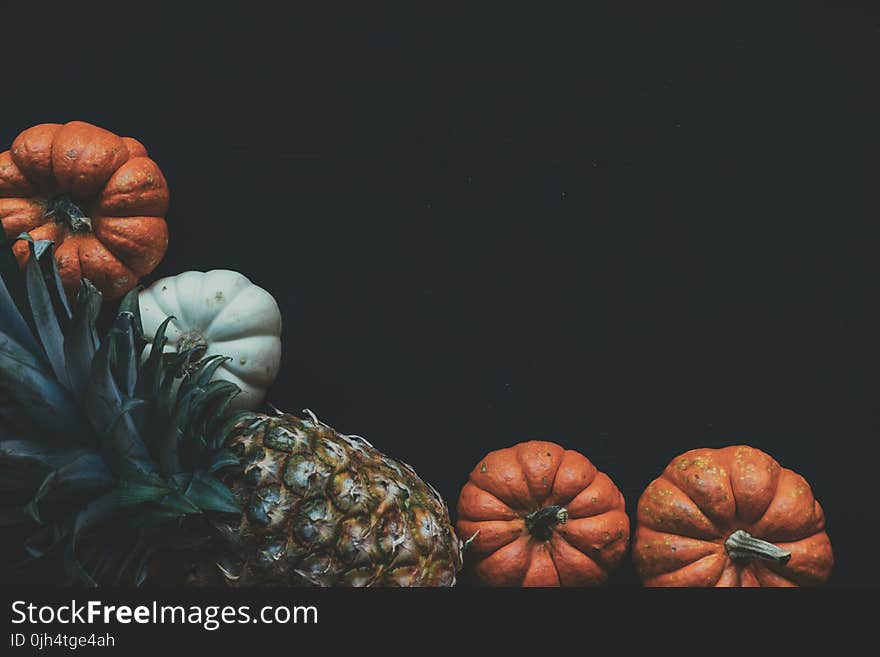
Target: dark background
(631,231)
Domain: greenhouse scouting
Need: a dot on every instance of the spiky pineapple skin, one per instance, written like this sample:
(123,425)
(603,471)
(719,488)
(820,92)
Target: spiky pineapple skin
(320,508)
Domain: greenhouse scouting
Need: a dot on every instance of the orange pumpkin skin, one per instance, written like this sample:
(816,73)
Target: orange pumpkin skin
(96,195)
(693,519)
(537,514)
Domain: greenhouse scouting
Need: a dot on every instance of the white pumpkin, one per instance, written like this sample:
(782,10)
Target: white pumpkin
(228,315)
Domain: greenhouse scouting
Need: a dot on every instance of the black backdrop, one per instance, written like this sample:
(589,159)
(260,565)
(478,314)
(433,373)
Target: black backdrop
(630,231)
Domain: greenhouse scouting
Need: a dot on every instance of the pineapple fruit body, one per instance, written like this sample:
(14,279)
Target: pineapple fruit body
(321,508)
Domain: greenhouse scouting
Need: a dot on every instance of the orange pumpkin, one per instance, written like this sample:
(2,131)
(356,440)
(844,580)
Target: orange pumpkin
(96,195)
(730,517)
(537,514)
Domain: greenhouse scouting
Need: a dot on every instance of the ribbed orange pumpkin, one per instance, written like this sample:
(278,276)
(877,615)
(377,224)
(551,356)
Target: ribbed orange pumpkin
(730,517)
(96,195)
(539,515)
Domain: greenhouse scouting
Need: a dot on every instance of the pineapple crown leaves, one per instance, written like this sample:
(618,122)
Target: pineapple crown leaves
(92,433)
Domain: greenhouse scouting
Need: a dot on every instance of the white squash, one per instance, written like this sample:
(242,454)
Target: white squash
(228,315)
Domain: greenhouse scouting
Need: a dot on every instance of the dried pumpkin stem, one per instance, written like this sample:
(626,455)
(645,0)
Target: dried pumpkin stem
(66,211)
(193,339)
(742,546)
(540,523)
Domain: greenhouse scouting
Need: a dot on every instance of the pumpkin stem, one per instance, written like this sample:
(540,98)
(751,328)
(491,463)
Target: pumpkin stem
(193,339)
(540,523)
(66,211)
(742,546)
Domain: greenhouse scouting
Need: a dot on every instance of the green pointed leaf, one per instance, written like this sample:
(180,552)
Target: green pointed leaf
(13,323)
(16,353)
(126,555)
(131,493)
(121,443)
(216,390)
(223,459)
(17,452)
(128,405)
(207,399)
(187,396)
(15,298)
(211,416)
(53,283)
(142,567)
(179,504)
(131,305)
(108,560)
(169,455)
(195,402)
(214,419)
(173,367)
(152,488)
(95,513)
(81,338)
(150,376)
(36,391)
(46,321)
(208,367)
(32,511)
(210,494)
(86,472)
(147,387)
(181,480)
(168,442)
(182,360)
(202,400)
(125,353)
(41,542)
(29,463)
(224,429)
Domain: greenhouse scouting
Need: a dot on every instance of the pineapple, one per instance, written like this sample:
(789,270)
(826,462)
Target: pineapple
(127,469)
(325,509)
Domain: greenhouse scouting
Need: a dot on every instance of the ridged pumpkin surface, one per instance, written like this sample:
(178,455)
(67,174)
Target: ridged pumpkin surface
(541,515)
(96,195)
(686,516)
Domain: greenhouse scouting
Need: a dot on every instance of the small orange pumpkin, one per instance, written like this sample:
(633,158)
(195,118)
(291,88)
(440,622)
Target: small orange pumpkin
(537,514)
(730,517)
(96,195)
